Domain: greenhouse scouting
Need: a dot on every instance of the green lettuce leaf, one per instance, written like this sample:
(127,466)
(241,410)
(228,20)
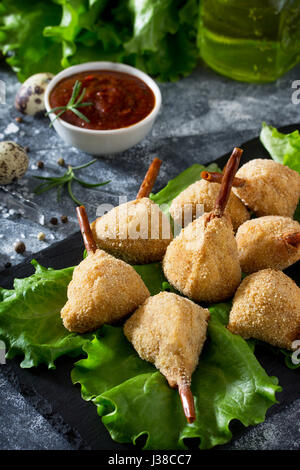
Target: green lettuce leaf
(158,36)
(283,148)
(153,276)
(152,20)
(168,37)
(21,36)
(30,323)
(134,399)
(175,58)
(82,33)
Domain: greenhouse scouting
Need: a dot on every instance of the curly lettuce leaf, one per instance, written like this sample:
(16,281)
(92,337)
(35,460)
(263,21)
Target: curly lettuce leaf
(134,399)
(21,36)
(174,59)
(30,323)
(283,148)
(164,38)
(152,275)
(158,36)
(82,33)
(152,20)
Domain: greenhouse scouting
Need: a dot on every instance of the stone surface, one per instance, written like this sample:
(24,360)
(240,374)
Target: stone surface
(210,114)
(268,435)
(23,427)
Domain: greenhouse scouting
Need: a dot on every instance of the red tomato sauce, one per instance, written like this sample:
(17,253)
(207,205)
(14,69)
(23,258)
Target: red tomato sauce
(118,99)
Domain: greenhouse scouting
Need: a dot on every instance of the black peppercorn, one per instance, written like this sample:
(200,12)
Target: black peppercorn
(19,247)
(53,221)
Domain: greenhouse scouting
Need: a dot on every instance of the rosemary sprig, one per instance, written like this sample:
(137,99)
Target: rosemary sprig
(67,179)
(73,104)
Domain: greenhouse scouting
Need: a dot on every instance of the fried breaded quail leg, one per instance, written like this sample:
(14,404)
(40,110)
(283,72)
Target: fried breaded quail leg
(268,242)
(266,306)
(103,289)
(137,232)
(169,331)
(202,261)
(266,187)
(204,193)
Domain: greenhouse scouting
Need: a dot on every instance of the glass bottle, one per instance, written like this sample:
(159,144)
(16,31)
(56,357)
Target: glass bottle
(250,40)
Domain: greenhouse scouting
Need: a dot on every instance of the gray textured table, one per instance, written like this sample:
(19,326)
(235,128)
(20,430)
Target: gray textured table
(212,114)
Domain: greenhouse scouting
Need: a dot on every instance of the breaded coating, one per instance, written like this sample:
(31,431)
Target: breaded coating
(270,188)
(205,193)
(169,331)
(202,261)
(266,306)
(260,244)
(103,290)
(137,232)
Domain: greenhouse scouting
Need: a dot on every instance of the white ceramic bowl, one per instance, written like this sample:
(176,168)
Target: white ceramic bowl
(98,142)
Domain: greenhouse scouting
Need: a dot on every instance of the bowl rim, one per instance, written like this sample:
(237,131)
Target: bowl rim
(113,66)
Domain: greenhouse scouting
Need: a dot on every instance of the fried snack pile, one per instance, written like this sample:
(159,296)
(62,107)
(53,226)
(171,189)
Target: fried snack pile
(103,290)
(266,306)
(270,188)
(169,331)
(137,232)
(261,243)
(204,192)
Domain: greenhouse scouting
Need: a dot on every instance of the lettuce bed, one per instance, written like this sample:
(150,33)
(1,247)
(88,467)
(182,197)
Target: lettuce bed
(134,399)
(131,396)
(30,322)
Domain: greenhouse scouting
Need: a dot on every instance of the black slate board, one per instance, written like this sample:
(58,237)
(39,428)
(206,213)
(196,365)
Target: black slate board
(52,393)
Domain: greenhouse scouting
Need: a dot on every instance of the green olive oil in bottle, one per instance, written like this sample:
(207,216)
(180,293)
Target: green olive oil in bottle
(250,40)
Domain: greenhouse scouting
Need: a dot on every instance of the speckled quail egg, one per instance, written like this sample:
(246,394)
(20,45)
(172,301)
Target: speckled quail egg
(30,97)
(13,162)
